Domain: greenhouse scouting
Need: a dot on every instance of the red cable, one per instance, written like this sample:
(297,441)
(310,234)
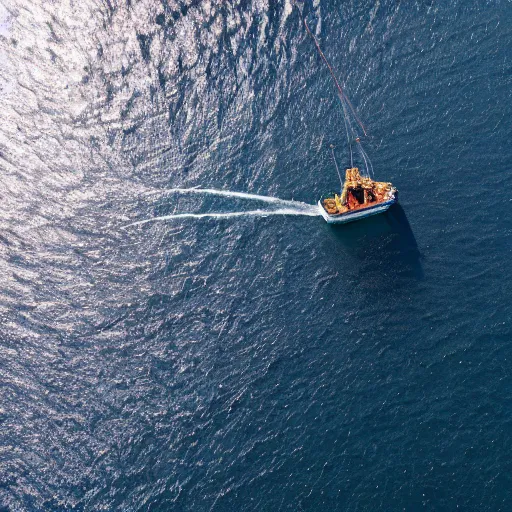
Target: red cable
(343,96)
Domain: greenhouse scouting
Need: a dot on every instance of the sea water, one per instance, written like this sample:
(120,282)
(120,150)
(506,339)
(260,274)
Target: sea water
(253,362)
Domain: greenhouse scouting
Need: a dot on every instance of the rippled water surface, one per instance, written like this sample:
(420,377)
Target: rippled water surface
(253,362)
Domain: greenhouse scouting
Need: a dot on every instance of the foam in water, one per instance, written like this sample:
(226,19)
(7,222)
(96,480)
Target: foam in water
(312,212)
(243,195)
(292,207)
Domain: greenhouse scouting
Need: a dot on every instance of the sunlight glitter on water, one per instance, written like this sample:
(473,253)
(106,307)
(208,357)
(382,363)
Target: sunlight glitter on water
(5,25)
(249,364)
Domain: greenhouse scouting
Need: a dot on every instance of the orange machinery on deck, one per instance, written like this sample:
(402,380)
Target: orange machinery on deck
(358,192)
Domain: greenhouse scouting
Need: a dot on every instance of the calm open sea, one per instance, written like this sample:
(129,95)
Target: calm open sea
(253,363)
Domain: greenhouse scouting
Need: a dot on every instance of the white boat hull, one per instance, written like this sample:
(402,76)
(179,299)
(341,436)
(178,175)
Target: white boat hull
(343,218)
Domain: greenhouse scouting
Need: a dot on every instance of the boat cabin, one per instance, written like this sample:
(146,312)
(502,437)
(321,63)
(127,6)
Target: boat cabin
(358,192)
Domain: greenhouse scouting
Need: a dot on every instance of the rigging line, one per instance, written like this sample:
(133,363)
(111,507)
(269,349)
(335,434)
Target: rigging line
(336,164)
(364,154)
(349,140)
(369,161)
(344,99)
(355,136)
(355,115)
(331,71)
(361,150)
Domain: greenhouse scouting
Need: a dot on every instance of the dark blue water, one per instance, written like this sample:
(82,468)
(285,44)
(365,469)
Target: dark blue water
(253,363)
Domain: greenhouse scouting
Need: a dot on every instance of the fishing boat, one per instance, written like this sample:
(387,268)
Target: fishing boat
(360,198)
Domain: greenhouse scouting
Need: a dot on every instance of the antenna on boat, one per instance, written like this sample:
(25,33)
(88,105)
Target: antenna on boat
(336,164)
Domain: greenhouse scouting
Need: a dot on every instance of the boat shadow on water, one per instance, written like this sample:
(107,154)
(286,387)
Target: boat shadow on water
(382,241)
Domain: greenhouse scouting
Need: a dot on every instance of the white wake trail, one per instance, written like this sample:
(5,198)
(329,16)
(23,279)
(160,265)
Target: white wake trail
(311,211)
(242,195)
